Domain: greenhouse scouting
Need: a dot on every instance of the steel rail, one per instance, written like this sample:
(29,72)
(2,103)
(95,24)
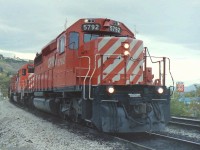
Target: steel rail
(185,122)
(158,141)
(181,141)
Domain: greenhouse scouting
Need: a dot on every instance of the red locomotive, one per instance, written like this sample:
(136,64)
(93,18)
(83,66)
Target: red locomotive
(96,71)
(19,84)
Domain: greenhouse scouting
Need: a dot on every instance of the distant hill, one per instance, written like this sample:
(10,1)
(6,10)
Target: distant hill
(190,88)
(10,65)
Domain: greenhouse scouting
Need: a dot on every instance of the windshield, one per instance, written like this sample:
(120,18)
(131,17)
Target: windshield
(89,37)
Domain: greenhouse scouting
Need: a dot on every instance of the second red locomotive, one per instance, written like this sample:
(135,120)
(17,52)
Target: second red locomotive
(96,71)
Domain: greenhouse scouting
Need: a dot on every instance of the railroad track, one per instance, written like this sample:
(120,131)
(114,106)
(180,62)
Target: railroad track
(185,122)
(157,141)
(92,133)
(145,141)
(174,143)
(82,130)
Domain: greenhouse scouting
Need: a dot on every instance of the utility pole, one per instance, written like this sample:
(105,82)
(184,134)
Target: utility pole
(195,85)
(0,92)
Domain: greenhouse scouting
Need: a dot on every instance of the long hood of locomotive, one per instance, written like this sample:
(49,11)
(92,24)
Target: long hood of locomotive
(116,68)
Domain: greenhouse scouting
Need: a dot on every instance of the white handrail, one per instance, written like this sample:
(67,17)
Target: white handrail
(95,64)
(89,59)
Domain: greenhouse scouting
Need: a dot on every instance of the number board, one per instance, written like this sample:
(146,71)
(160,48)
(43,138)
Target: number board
(180,86)
(91,27)
(115,29)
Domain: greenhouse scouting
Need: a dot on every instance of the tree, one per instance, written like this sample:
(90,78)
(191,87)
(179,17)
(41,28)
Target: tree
(197,91)
(194,108)
(1,69)
(179,108)
(4,84)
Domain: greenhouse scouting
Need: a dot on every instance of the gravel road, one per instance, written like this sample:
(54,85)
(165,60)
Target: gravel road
(21,130)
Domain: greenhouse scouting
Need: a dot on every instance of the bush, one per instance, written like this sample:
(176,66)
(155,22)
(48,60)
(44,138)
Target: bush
(194,108)
(4,84)
(184,110)
(179,108)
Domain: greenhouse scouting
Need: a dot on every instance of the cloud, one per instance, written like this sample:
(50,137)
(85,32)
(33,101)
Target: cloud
(183,60)
(35,23)
(27,24)
(4,28)
(9,53)
(168,28)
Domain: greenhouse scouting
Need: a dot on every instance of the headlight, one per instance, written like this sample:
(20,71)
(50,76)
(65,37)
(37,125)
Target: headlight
(86,20)
(126,45)
(160,90)
(110,89)
(126,53)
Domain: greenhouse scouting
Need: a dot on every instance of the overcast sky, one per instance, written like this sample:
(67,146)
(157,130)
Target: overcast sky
(168,28)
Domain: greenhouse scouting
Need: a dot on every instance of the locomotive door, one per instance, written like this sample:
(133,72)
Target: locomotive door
(49,73)
(72,47)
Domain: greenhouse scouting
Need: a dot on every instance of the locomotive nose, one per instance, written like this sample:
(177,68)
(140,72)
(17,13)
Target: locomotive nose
(141,109)
(121,60)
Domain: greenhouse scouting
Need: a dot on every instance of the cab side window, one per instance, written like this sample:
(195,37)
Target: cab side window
(23,72)
(30,69)
(62,44)
(73,40)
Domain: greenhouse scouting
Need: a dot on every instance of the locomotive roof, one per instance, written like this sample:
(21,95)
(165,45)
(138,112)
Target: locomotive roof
(105,22)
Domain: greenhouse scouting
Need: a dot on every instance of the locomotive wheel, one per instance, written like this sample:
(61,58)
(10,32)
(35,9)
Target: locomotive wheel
(30,102)
(62,116)
(73,115)
(11,98)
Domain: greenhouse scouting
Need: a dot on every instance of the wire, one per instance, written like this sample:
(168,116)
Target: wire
(171,77)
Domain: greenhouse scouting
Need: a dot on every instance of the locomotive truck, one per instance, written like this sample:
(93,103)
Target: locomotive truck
(97,72)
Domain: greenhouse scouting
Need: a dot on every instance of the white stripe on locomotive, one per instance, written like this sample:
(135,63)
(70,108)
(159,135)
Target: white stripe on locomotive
(111,50)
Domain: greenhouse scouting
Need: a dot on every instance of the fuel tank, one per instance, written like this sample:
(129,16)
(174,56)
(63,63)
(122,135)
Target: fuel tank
(47,105)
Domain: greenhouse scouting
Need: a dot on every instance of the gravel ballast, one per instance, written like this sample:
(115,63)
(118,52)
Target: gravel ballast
(186,134)
(21,130)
